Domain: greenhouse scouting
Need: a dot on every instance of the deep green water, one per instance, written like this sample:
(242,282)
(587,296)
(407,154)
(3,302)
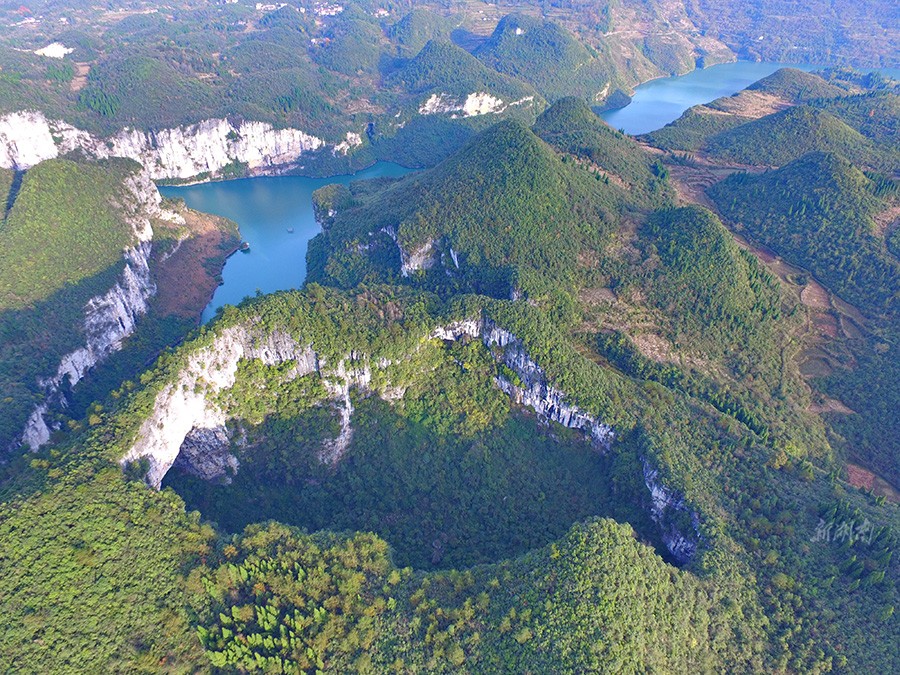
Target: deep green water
(265,208)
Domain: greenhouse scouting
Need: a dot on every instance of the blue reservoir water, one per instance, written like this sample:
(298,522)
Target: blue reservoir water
(658,102)
(265,209)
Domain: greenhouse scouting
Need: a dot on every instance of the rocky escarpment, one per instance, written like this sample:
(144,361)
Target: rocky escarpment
(28,137)
(667,508)
(206,453)
(533,389)
(474,104)
(187,426)
(189,406)
(191,402)
(111,317)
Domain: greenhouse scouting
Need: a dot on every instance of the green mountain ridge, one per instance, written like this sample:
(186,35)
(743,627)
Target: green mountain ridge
(782,137)
(506,203)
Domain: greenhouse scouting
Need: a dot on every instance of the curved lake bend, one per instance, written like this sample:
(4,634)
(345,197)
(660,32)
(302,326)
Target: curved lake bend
(266,209)
(658,102)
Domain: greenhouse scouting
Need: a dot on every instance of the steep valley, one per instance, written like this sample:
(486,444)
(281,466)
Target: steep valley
(560,400)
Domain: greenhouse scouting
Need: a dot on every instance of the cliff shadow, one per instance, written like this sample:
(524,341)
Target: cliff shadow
(441,500)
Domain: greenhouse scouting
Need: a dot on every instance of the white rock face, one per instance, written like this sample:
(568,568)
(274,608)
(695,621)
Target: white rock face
(537,393)
(481,104)
(36,433)
(422,258)
(55,50)
(188,406)
(351,140)
(28,137)
(338,385)
(185,152)
(663,502)
(476,103)
(111,317)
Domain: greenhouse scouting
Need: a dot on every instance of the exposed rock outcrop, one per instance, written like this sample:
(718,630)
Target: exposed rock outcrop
(665,504)
(189,405)
(111,317)
(28,137)
(474,104)
(206,453)
(533,389)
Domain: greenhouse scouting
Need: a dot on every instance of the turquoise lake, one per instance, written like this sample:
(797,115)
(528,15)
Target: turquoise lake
(658,102)
(265,208)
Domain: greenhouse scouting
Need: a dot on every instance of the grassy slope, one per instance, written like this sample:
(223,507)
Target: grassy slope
(690,131)
(60,245)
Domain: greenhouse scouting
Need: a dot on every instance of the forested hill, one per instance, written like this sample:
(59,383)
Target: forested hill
(331,69)
(790,113)
(566,401)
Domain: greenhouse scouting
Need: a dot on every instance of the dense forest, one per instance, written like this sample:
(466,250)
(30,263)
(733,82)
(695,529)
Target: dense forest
(563,401)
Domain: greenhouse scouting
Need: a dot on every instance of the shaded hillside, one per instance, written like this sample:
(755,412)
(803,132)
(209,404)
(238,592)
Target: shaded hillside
(715,292)
(777,139)
(66,225)
(87,244)
(818,212)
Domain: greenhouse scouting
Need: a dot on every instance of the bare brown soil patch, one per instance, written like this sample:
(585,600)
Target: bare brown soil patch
(189,274)
(815,296)
(749,104)
(81,74)
(830,405)
(596,296)
(887,219)
(864,479)
(654,347)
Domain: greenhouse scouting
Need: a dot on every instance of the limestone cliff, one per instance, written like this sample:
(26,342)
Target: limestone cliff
(665,507)
(28,137)
(111,317)
(189,404)
(473,105)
